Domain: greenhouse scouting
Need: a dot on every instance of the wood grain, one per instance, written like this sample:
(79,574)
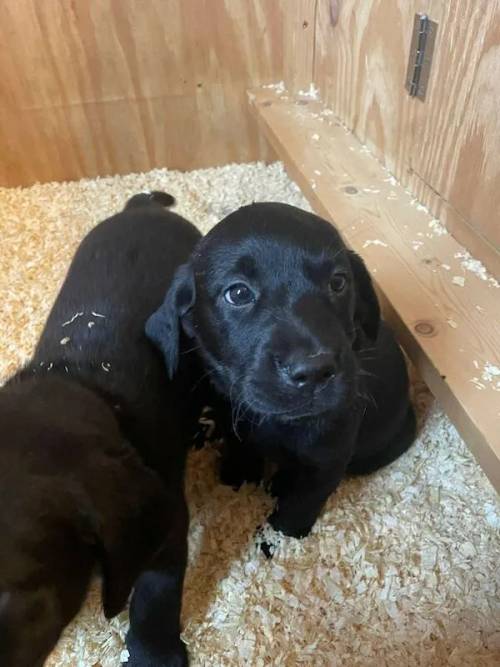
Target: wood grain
(456,145)
(92,87)
(299,44)
(447,149)
(450,330)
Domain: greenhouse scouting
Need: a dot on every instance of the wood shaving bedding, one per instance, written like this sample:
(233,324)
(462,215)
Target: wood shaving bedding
(401,570)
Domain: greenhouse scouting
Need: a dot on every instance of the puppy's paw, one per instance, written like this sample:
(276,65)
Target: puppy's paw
(235,472)
(292,526)
(172,655)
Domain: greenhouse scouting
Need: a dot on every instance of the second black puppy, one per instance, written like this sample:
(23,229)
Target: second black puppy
(287,321)
(95,391)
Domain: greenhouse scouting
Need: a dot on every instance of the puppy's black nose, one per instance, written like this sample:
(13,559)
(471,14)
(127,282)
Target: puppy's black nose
(308,370)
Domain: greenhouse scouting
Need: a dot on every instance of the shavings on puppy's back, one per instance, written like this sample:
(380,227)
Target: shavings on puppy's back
(72,319)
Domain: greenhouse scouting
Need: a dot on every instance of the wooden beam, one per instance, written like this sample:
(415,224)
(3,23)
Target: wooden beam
(444,309)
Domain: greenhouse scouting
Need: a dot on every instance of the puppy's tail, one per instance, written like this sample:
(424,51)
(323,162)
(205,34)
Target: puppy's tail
(150,198)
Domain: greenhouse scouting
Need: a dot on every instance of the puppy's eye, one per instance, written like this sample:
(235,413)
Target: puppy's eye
(338,282)
(239,295)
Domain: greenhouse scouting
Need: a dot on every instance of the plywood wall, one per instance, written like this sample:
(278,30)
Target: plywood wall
(93,87)
(446,149)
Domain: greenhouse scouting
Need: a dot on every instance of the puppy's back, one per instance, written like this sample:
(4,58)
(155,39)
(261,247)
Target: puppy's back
(95,331)
(118,276)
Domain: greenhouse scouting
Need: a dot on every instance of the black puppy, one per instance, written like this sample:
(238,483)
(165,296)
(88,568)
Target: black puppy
(73,494)
(83,428)
(287,321)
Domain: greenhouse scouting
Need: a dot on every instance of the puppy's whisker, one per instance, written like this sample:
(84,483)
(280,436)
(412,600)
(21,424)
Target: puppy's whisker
(258,417)
(191,349)
(261,419)
(239,409)
(249,412)
(200,379)
(235,402)
(234,422)
(339,250)
(367,373)
(280,319)
(368,398)
(366,349)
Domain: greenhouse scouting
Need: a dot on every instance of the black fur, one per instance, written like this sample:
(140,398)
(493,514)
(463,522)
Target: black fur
(93,448)
(306,373)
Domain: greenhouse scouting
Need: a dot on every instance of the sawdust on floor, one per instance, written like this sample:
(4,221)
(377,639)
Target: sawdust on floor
(401,570)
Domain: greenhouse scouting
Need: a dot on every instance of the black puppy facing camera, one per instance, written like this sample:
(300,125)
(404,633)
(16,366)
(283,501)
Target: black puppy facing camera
(305,372)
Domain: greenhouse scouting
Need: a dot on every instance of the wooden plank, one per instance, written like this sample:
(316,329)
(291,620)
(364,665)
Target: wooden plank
(447,317)
(447,149)
(93,87)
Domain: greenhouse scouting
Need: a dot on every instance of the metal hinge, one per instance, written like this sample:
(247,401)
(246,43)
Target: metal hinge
(422,48)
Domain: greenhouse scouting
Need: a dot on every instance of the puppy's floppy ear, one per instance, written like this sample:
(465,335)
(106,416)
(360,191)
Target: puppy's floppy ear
(367,308)
(163,326)
(130,513)
(130,551)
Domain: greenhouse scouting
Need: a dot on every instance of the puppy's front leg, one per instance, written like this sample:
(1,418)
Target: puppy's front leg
(303,485)
(302,496)
(240,463)
(153,639)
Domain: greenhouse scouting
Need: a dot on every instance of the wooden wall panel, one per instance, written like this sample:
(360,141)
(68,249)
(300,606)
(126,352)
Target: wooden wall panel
(92,87)
(457,137)
(299,44)
(360,67)
(446,149)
